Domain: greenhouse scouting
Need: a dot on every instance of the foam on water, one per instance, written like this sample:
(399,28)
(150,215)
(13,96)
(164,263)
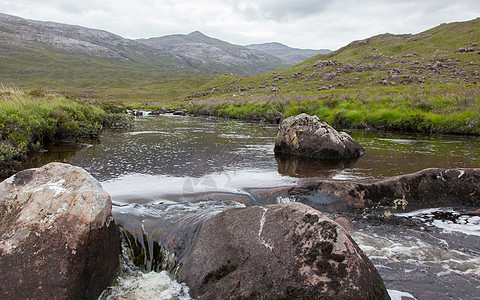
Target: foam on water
(425,252)
(148,286)
(418,253)
(462,223)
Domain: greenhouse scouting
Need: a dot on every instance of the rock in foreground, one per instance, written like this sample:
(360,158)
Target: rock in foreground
(306,135)
(285,251)
(57,235)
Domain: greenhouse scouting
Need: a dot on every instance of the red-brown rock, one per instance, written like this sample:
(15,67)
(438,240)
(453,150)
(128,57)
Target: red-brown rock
(58,239)
(283,251)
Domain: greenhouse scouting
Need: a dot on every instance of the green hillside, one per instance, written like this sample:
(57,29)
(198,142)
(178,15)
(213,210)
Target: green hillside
(425,82)
(95,77)
(90,63)
(443,41)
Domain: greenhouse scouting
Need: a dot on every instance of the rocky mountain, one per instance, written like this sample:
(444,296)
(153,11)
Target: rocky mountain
(289,55)
(205,53)
(74,40)
(90,62)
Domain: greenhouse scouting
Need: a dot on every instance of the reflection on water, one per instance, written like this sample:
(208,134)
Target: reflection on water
(195,147)
(305,167)
(178,146)
(391,154)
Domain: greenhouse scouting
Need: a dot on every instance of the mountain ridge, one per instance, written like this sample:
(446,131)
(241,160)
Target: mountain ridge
(286,53)
(71,57)
(201,51)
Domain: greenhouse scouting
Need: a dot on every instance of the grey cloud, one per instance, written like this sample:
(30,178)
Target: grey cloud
(67,6)
(299,23)
(280,10)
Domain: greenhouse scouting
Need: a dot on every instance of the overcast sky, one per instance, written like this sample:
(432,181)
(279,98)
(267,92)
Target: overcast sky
(297,23)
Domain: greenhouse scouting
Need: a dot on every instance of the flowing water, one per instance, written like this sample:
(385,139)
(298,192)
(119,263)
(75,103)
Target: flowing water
(169,171)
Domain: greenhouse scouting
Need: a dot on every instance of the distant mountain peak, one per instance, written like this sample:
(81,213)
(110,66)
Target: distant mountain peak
(196,33)
(206,53)
(286,53)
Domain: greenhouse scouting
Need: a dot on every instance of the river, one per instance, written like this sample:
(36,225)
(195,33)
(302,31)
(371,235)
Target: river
(170,168)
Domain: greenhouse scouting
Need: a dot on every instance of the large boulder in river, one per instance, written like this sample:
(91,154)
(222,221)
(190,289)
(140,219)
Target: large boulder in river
(283,251)
(58,239)
(306,135)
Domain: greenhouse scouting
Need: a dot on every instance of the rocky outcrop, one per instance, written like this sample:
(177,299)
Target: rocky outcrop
(423,189)
(57,235)
(283,251)
(306,135)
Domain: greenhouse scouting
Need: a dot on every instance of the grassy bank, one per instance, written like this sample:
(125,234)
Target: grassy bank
(28,120)
(451,109)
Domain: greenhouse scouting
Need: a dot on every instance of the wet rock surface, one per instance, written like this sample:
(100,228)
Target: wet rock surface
(305,135)
(424,189)
(57,235)
(283,251)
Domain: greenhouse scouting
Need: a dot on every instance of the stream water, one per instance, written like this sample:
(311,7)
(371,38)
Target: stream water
(169,170)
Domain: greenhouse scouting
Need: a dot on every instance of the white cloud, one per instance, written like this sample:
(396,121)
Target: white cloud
(297,23)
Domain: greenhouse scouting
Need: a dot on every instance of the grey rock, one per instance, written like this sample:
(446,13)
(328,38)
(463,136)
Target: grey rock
(306,135)
(57,235)
(424,189)
(282,251)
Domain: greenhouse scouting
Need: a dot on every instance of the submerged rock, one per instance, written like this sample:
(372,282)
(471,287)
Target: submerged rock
(424,189)
(283,251)
(57,235)
(306,135)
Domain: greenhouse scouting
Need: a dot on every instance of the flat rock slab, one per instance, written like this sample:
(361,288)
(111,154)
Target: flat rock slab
(57,235)
(305,135)
(283,251)
(424,189)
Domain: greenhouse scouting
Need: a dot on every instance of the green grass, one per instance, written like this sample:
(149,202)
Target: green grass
(436,109)
(28,120)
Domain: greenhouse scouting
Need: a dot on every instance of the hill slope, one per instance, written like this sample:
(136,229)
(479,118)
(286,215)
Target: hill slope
(212,55)
(441,41)
(95,62)
(427,82)
(447,54)
(290,55)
